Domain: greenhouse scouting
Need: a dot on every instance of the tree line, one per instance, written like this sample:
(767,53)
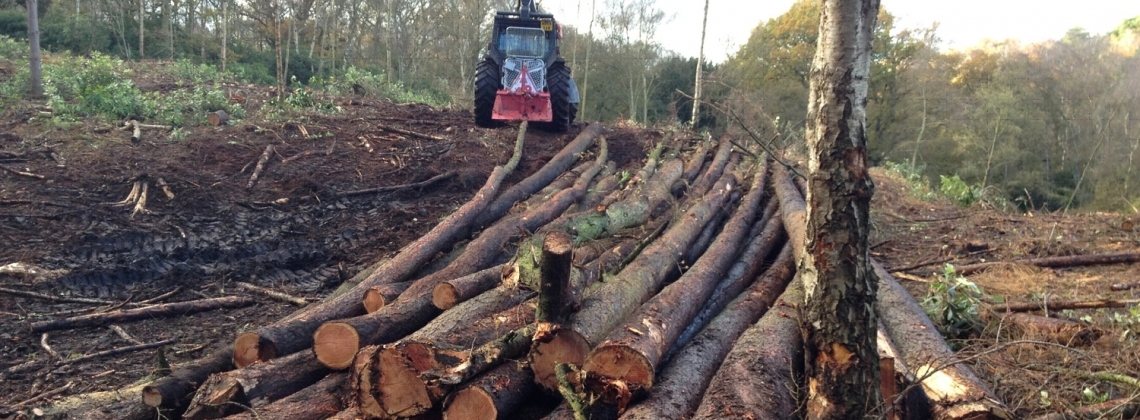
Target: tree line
(1049,126)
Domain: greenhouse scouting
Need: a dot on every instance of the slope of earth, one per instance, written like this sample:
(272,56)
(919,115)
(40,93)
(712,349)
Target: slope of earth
(67,232)
(921,235)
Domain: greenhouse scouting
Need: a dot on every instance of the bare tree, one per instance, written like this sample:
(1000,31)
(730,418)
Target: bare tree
(841,359)
(34,41)
(700,65)
(142,29)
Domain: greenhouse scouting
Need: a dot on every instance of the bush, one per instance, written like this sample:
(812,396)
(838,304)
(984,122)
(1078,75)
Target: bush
(198,73)
(13,49)
(99,86)
(958,191)
(952,303)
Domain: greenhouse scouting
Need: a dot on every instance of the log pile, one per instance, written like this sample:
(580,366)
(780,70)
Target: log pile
(671,296)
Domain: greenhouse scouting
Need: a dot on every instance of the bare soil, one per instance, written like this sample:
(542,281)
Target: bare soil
(293,232)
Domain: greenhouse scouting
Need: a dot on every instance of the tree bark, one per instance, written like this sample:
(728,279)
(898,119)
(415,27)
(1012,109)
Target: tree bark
(606,304)
(1057,262)
(217,118)
(842,363)
(494,395)
(296,332)
(764,367)
(453,292)
(556,294)
(315,402)
(146,312)
(378,296)
(684,377)
(606,184)
(700,63)
(254,386)
(36,71)
(632,352)
(175,390)
(715,169)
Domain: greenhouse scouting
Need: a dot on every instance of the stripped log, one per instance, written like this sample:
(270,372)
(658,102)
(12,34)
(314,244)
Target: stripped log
(260,168)
(759,375)
(631,353)
(606,304)
(146,312)
(1057,262)
(336,341)
(254,386)
(494,395)
(177,389)
(452,292)
(378,296)
(315,402)
(295,333)
(1056,330)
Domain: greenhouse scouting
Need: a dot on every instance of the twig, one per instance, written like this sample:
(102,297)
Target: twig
(122,334)
(415,185)
(46,347)
(119,350)
(44,395)
(61,299)
(921,264)
(562,371)
(161,297)
(21,173)
(284,297)
(260,166)
(410,133)
(298,156)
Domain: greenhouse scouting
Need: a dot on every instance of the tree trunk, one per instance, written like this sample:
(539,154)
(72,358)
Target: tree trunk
(700,63)
(606,304)
(225,33)
(378,296)
(254,386)
(632,352)
(760,374)
(146,312)
(142,29)
(715,169)
(495,395)
(606,185)
(556,297)
(36,72)
(296,332)
(175,390)
(315,402)
(842,363)
(684,377)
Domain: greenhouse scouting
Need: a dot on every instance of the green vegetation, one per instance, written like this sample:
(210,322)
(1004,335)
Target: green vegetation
(952,303)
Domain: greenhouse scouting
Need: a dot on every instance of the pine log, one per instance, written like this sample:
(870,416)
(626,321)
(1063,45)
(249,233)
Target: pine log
(556,295)
(1057,262)
(631,353)
(564,181)
(361,379)
(146,312)
(352,413)
(1056,330)
(218,117)
(315,402)
(545,175)
(177,389)
(494,395)
(378,296)
(611,301)
(295,333)
(606,184)
(691,170)
(766,235)
(336,342)
(260,168)
(273,294)
(452,292)
(793,209)
(481,359)
(1060,305)
(715,169)
(953,389)
(254,386)
(760,374)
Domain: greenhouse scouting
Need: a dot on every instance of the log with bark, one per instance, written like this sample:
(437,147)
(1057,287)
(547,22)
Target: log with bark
(295,333)
(260,168)
(691,170)
(606,183)
(315,402)
(628,358)
(715,168)
(177,389)
(452,292)
(1057,262)
(217,118)
(494,395)
(607,303)
(145,312)
(336,342)
(254,386)
(1060,305)
(378,296)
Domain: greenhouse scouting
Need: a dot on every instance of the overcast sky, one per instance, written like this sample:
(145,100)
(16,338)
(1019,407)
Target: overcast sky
(966,24)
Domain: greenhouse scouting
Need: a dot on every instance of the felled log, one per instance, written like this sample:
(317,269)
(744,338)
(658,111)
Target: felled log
(482,359)
(315,402)
(217,118)
(146,312)
(1056,330)
(283,297)
(295,333)
(691,170)
(378,296)
(715,168)
(606,184)
(335,342)
(176,389)
(257,170)
(556,297)
(545,175)
(1057,262)
(631,353)
(1060,305)
(609,302)
(494,395)
(451,292)
(254,386)
(393,188)
(1120,408)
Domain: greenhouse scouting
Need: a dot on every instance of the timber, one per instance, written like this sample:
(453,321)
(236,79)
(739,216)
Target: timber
(295,333)
(315,402)
(254,386)
(1057,262)
(556,294)
(218,117)
(260,168)
(452,292)
(175,390)
(607,303)
(378,296)
(145,312)
(494,395)
(715,169)
(632,352)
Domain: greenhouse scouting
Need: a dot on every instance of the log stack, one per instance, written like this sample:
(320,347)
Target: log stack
(606,304)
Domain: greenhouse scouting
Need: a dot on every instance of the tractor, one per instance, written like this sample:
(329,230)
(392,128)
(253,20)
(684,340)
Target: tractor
(522,76)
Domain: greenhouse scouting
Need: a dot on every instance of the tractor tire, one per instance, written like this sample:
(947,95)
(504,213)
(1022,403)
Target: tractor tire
(487,81)
(558,82)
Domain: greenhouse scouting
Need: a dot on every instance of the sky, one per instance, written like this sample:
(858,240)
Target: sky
(965,24)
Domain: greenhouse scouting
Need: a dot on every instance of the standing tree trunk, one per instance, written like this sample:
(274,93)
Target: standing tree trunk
(277,45)
(142,29)
(34,41)
(700,64)
(225,31)
(841,358)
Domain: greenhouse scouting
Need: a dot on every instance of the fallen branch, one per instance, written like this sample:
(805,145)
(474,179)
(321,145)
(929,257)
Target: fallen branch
(61,299)
(136,131)
(1056,330)
(44,345)
(1122,408)
(21,173)
(165,188)
(393,188)
(44,395)
(119,350)
(1056,262)
(281,296)
(174,390)
(1063,305)
(410,133)
(257,170)
(146,312)
(309,152)
(123,334)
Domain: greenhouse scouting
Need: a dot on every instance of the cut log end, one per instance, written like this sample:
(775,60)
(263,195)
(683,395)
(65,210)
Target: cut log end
(444,296)
(250,348)
(218,117)
(609,364)
(151,396)
(400,390)
(374,300)
(471,403)
(336,344)
(564,346)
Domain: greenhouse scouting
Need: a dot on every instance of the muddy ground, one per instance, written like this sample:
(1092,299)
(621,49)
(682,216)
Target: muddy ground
(294,230)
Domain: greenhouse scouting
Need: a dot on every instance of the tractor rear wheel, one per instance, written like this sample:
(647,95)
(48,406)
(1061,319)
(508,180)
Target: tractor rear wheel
(558,82)
(487,80)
